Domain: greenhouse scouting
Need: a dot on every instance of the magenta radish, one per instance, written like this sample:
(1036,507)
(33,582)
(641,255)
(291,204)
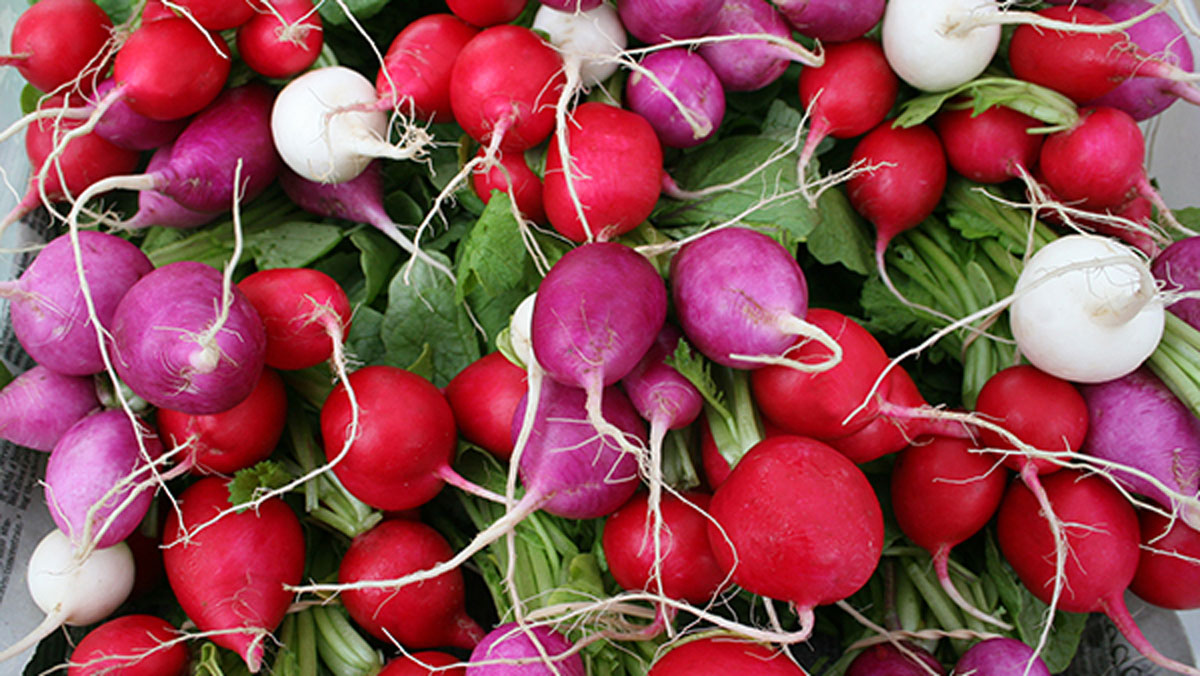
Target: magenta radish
(282,39)
(484,13)
(512,176)
(1168,570)
(158,209)
(230,573)
(1159,37)
(169,69)
(431,615)
(699,105)
(131,645)
(928,52)
(741,299)
(990,146)
(514,650)
(1090,569)
(1178,267)
(57,42)
(416,68)
(305,313)
(1098,163)
(885,659)
(572,5)
(40,405)
(943,492)
(98,481)
(126,128)
(724,654)
(661,394)
(655,21)
(831,21)
(484,397)
(1001,656)
(822,500)
(49,312)
(747,65)
(199,352)
(613,177)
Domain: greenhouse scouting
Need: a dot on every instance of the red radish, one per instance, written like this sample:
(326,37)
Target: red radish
(898,427)
(218,15)
(1161,38)
(413,665)
(699,105)
(503,86)
(839,108)
(724,654)
(484,13)
(511,175)
(612,180)
(429,615)
(885,659)
(169,69)
(1098,163)
(1090,570)
(831,21)
(484,397)
(154,10)
(944,492)
(1001,656)
(1168,571)
(232,574)
(989,146)
(823,502)
(131,645)
(392,462)
(539,646)
(747,65)
(654,21)
(416,68)
(304,312)
(225,442)
(55,42)
(39,406)
(283,38)
(1043,411)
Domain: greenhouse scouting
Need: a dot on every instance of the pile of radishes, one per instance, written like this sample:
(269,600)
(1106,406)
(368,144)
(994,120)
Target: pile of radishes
(506,337)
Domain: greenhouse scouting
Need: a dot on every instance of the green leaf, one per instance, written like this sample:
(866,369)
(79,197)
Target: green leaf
(377,258)
(293,244)
(364,342)
(492,255)
(1189,217)
(841,235)
(266,475)
(1040,103)
(692,365)
(782,122)
(422,310)
(333,11)
(118,10)
(30,96)
(6,376)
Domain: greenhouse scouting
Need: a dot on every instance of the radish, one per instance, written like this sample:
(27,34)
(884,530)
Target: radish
(416,68)
(131,645)
(40,405)
(98,483)
(724,654)
(989,146)
(49,310)
(655,21)
(218,15)
(225,442)
(1001,656)
(431,615)
(831,21)
(590,39)
(158,209)
(424,663)
(572,5)
(230,575)
(741,299)
(1085,310)
(1169,564)
(1098,163)
(802,487)
(124,127)
(73,590)
(514,650)
(485,13)
(944,492)
(1161,38)
(169,69)
(661,394)
(512,176)
(59,42)
(484,397)
(748,65)
(200,353)
(613,178)
(304,313)
(902,423)
(886,659)
(282,39)
(699,102)
(928,52)
(1178,268)
(1044,412)
(1089,570)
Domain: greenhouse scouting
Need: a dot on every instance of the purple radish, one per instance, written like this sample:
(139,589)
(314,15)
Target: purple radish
(658,392)
(532,645)
(747,65)
(1121,412)
(99,465)
(832,20)
(125,127)
(1178,266)
(741,299)
(49,312)
(40,405)
(885,659)
(1001,657)
(1160,36)
(178,348)
(572,5)
(155,208)
(655,21)
(690,80)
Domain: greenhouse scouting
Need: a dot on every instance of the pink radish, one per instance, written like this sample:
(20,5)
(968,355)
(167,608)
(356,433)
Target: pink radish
(885,659)
(654,21)
(126,128)
(131,645)
(283,38)
(55,42)
(513,650)
(747,65)
(158,209)
(416,68)
(832,21)
(39,406)
(685,76)
(1001,656)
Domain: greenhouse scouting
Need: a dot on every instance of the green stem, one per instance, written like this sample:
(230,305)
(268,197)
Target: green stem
(306,644)
(1176,361)
(340,645)
(946,269)
(947,614)
(908,604)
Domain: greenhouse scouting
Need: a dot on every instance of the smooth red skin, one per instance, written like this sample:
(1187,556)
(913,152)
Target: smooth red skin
(168,69)
(223,443)
(618,167)
(990,146)
(426,615)
(1102,540)
(85,160)
(1042,410)
(219,15)
(419,61)
(110,649)
(285,299)
(232,574)
(885,659)
(1097,163)
(716,467)
(147,558)
(526,185)
(406,433)
(56,40)
(260,46)
(943,492)
(155,10)
(484,397)
(1081,66)
(407,665)
(688,567)
(857,89)
(885,435)
(484,13)
(805,522)
(898,197)
(1164,580)
(724,654)
(507,75)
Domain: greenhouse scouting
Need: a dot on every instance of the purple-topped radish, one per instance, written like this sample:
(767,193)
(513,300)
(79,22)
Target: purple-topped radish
(885,659)
(40,405)
(98,485)
(155,208)
(123,126)
(741,299)
(513,650)
(1001,657)
(572,5)
(659,392)
(832,20)
(747,65)
(182,343)
(1178,266)
(699,105)
(1158,35)
(49,312)
(655,21)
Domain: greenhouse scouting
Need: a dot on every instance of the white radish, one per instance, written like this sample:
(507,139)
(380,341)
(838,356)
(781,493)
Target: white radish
(1085,309)
(520,331)
(595,38)
(922,45)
